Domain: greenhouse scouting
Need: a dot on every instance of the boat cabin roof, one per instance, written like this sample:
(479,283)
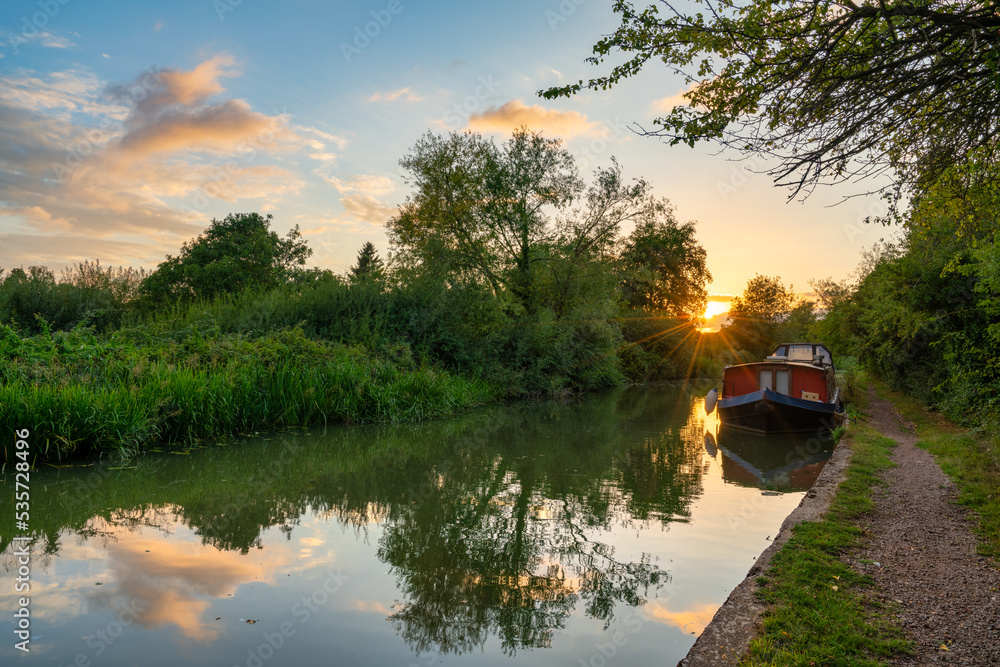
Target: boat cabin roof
(810,353)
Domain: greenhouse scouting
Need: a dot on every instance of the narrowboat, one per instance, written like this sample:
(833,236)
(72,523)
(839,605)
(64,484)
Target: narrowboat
(793,390)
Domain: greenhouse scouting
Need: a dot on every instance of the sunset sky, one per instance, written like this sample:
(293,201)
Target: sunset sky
(126,127)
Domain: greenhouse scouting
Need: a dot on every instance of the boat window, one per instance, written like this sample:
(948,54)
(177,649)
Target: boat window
(800,352)
(781,382)
(766,381)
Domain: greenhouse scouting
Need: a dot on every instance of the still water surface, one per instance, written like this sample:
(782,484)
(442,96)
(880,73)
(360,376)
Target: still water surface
(604,530)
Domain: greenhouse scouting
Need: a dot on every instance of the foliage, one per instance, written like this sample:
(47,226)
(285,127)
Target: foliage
(832,89)
(923,314)
(664,266)
(86,292)
(478,210)
(237,253)
(84,395)
(759,313)
(505,215)
(369,265)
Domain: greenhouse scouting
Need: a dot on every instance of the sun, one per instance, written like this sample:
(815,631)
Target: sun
(713,308)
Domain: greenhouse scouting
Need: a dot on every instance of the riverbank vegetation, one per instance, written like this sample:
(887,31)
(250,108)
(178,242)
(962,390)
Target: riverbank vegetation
(508,276)
(924,312)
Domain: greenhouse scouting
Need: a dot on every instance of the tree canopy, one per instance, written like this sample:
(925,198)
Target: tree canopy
(479,209)
(831,89)
(665,268)
(518,218)
(233,254)
(759,313)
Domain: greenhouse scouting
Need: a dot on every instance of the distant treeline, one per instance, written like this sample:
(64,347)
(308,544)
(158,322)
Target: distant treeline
(509,276)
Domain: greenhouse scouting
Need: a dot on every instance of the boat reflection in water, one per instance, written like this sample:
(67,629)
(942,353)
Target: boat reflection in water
(780,462)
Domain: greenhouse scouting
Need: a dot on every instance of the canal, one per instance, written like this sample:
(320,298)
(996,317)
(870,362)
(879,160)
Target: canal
(600,530)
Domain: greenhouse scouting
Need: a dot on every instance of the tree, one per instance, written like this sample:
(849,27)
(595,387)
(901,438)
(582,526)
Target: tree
(517,217)
(369,265)
(234,254)
(664,267)
(830,88)
(758,313)
(479,210)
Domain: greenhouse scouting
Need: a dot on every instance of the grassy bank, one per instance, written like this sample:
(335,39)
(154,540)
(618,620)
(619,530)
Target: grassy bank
(80,394)
(819,613)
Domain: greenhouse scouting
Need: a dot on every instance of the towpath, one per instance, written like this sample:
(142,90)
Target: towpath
(921,552)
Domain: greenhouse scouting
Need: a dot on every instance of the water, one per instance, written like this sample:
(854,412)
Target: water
(602,530)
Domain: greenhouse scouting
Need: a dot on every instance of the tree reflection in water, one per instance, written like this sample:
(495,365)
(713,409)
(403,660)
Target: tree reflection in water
(498,523)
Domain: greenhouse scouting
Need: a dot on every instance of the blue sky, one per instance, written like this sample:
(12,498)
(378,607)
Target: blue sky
(126,127)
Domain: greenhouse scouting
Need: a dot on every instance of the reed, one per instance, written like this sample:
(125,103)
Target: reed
(81,395)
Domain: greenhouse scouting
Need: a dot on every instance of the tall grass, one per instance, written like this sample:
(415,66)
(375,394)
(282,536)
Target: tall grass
(81,395)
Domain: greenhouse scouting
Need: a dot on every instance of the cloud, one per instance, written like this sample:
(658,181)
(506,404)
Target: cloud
(514,114)
(115,171)
(73,91)
(369,184)
(54,41)
(219,128)
(367,208)
(45,39)
(156,89)
(360,200)
(60,250)
(667,104)
(158,26)
(405,94)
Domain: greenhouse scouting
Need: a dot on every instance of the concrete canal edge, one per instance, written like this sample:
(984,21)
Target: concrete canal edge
(727,637)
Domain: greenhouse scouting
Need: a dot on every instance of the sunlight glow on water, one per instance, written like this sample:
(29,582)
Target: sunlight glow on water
(558,533)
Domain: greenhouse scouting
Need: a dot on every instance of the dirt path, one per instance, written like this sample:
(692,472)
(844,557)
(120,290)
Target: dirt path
(922,555)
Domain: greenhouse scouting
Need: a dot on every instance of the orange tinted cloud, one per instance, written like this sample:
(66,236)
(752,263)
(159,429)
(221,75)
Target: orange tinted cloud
(366,207)
(665,105)
(218,128)
(172,86)
(514,114)
(405,94)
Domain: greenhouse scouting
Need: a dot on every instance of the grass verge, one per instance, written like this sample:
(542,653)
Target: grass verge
(819,613)
(970,458)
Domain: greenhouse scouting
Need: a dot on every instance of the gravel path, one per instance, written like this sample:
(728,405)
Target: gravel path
(948,598)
